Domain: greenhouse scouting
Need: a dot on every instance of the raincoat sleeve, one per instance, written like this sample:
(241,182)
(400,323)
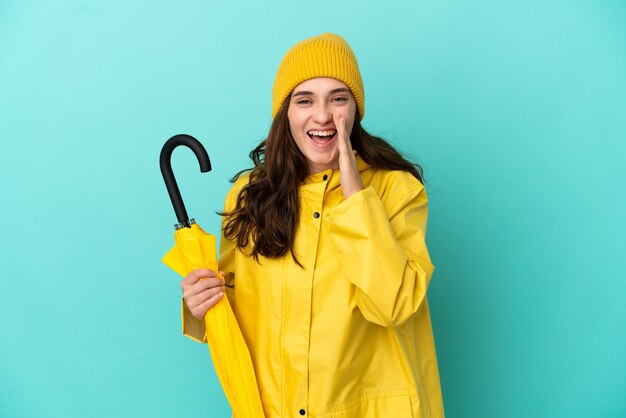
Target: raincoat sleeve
(195,328)
(380,239)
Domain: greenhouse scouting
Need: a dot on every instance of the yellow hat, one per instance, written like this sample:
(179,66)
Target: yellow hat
(326,55)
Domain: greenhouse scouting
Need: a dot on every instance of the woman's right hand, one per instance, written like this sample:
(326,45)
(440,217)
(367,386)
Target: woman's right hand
(202,289)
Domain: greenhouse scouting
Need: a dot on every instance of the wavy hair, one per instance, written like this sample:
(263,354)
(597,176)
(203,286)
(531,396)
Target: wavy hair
(266,212)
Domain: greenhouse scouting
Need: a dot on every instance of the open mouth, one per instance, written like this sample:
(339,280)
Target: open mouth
(322,136)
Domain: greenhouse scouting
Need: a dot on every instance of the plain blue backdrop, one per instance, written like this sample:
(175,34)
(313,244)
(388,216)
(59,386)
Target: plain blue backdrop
(516,111)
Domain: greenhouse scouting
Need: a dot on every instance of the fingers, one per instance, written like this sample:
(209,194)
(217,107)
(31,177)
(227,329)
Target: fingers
(202,298)
(343,141)
(198,274)
(349,172)
(199,280)
(202,295)
(201,286)
(200,310)
(202,289)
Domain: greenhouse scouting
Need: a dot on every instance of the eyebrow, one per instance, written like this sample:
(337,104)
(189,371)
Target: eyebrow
(333,91)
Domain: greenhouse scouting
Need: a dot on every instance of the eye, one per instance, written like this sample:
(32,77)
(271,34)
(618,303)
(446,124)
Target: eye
(303,101)
(340,99)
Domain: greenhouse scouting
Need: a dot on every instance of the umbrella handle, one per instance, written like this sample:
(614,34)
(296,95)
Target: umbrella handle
(165,162)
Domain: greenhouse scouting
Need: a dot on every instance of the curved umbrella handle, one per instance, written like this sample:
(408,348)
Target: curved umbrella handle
(165,161)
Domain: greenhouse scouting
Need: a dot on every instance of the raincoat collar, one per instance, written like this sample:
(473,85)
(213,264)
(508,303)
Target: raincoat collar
(329,173)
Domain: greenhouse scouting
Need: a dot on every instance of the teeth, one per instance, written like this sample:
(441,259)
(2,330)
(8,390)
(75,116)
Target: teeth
(322,133)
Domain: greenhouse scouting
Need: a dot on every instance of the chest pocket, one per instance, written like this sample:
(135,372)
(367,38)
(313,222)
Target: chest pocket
(396,405)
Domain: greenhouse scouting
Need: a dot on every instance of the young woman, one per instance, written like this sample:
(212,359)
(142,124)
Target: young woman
(324,256)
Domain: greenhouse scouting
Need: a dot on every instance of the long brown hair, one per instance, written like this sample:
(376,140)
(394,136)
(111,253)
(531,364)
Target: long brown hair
(266,212)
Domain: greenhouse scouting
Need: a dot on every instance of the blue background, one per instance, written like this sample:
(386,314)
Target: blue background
(516,110)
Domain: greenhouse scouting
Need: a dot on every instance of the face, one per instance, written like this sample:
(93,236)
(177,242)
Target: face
(310,114)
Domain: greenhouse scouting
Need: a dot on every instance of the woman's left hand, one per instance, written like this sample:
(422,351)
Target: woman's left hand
(348,171)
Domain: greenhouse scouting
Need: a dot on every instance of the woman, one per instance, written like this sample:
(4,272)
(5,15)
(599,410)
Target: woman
(324,257)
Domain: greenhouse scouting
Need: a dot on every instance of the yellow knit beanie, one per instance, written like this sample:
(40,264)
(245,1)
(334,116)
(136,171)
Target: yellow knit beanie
(326,55)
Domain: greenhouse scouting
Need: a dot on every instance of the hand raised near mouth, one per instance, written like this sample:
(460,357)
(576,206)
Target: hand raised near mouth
(349,172)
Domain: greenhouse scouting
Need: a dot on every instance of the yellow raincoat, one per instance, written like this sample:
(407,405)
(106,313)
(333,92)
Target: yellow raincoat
(349,335)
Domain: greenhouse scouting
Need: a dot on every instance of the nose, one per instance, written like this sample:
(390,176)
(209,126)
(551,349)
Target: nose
(323,115)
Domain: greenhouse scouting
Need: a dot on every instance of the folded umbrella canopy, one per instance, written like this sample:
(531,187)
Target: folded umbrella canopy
(194,249)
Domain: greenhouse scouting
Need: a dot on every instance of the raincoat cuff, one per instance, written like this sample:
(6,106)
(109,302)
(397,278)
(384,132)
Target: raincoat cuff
(192,327)
(356,199)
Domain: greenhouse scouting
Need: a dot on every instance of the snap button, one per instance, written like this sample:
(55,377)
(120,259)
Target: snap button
(325,177)
(316,215)
(302,412)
